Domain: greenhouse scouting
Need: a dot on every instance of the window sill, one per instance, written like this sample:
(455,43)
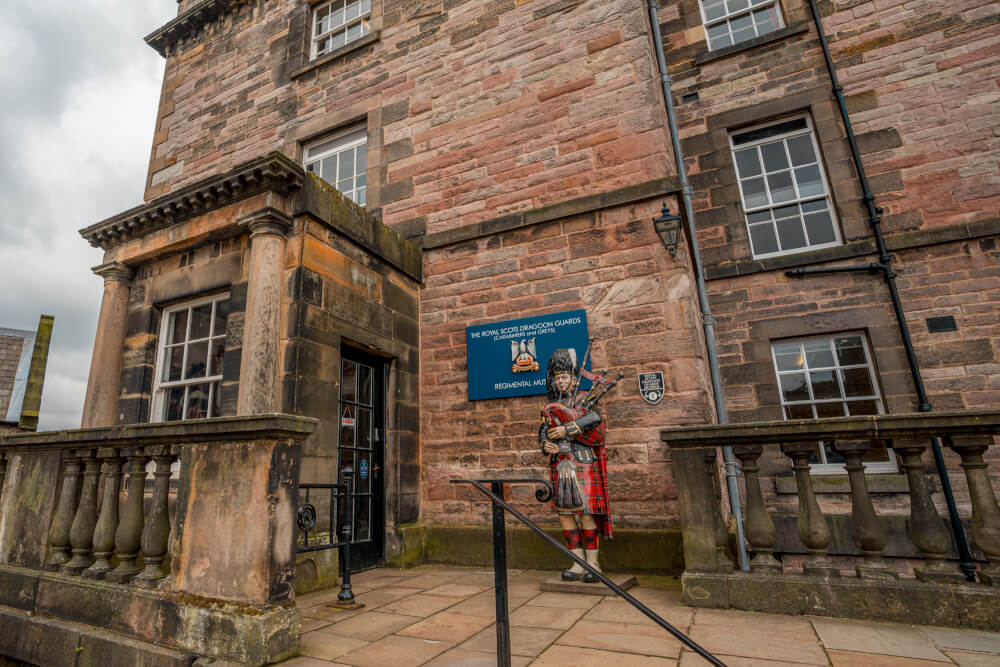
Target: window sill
(337,54)
(876,482)
(746,267)
(788,31)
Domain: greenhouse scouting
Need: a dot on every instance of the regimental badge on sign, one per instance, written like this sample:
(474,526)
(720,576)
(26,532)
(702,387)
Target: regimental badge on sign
(651,386)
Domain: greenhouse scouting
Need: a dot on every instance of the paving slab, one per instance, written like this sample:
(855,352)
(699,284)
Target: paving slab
(761,636)
(545,617)
(396,651)
(457,590)
(564,600)
(882,638)
(523,641)
(855,659)
(622,637)
(485,604)
(966,640)
(372,626)
(691,659)
(306,661)
(970,659)
(619,611)
(462,657)
(380,596)
(421,604)
(557,585)
(563,656)
(328,646)
(447,626)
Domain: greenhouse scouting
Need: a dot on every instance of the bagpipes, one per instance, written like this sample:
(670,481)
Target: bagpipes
(568,492)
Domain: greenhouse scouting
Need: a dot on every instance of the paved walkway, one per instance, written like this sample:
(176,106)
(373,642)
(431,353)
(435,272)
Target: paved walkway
(438,616)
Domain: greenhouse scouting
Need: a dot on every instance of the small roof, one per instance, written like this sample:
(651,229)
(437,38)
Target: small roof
(16,346)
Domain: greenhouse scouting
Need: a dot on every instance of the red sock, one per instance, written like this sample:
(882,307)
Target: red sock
(572,538)
(589,539)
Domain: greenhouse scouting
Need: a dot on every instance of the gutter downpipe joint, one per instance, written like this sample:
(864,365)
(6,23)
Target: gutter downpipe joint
(707,318)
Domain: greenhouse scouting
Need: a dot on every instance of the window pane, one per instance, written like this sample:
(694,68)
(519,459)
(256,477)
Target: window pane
(747,163)
(780,185)
(819,227)
(216,399)
(830,453)
(809,181)
(714,9)
(763,240)
(827,410)
(177,328)
(790,233)
(364,428)
(788,356)
(218,354)
(360,197)
(718,35)
(857,382)
(862,408)
(362,519)
(172,364)
(173,407)
(801,150)
(824,385)
(348,421)
(197,360)
(759,216)
(736,5)
(769,131)
(754,194)
(774,156)
(221,313)
(197,402)
(798,411)
(349,381)
(793,387)
(849,350)
(361,158)
(818,354)
(364,384)
(347,460)
(201,321)
(363,484)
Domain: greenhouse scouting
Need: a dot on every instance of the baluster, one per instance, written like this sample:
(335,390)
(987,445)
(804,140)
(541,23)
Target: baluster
(81,533)
(927,530)
(156,534)
(813,529)
(62,521)
(867,531)
(718,525)
(107,522)
(759,525)
(985,511)
(127,537)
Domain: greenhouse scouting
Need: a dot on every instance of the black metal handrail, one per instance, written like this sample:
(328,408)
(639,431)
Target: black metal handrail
(306,521)
(500,565)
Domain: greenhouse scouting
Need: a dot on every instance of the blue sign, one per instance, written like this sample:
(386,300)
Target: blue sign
(364,469)
(508,359)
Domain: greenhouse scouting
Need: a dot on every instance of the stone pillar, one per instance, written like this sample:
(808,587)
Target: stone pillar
(259,361)
(101,401)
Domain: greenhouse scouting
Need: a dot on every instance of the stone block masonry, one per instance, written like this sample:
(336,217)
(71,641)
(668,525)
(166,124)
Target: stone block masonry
(474,109)
(10,357)
(642,313)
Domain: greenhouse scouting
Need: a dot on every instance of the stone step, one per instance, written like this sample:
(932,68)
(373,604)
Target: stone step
(46,641)
(557,585)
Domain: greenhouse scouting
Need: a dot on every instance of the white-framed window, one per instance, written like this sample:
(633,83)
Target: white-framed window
(190,352)
(830,376)
(341,161)
(729,22)
(783,188)
(338,23)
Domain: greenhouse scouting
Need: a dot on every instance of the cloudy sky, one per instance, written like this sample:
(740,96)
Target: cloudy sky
(78,95)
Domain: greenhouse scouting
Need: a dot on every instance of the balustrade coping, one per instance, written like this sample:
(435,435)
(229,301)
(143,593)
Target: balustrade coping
(197,431)
(880,427)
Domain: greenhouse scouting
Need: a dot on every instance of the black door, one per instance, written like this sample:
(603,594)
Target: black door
(361,447)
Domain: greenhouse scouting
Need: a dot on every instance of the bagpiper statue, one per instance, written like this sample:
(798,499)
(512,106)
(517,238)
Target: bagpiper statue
(572,434)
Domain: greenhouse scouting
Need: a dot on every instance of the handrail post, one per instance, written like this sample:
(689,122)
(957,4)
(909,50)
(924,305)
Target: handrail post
(500,578)
(345,599)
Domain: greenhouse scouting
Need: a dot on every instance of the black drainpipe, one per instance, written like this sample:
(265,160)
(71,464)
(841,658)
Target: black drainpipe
(884,267)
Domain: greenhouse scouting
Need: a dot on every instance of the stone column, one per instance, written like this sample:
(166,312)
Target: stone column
(101,401)
(259,361)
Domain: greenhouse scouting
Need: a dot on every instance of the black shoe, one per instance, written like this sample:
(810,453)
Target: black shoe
(590,578)
(571,576)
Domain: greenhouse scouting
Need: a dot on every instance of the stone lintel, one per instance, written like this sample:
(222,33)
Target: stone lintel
(222,429)
(273,172)
(911,602)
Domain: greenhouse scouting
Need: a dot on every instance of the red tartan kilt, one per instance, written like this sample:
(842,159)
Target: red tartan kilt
(592,486)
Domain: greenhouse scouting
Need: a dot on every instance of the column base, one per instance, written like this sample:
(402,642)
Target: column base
(876,573)
(766,563)
(122,574)
(822,569)
(939,572)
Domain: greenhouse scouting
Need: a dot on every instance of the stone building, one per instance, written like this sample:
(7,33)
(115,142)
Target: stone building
(23,357)
(336,191)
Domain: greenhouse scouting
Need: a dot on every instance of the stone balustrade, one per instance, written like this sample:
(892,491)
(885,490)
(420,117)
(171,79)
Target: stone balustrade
(180,535)
(939,592)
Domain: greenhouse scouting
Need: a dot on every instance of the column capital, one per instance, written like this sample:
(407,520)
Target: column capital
(268,220)
(115,271)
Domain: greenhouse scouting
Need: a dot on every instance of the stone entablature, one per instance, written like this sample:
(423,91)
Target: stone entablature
(188,24)
(272,173)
